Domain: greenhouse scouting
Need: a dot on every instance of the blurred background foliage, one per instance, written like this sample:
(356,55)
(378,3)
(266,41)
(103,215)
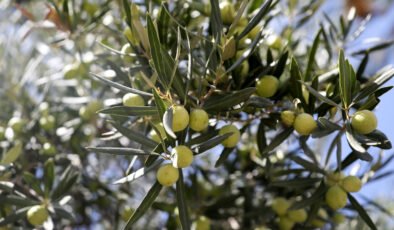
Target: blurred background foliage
(49,102)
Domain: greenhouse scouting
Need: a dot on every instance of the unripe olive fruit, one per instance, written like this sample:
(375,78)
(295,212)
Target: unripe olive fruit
(126,49)
(37,215)
(285,223)
(304,124)
(84,113)
(44,108)
(338,218)
(318,222)
(132,99)
(280,206)
(274,42)
(16,124)
(47,123)
(229,49)
(233,139)
(2,133)
(334,178)
(267,86)
(227,12)
(351,184)
(167,175)
(336,197)
(364,121)
(299,215)
(48,149)
(287,117)
(94,106)
(128,34)
(182,156)
(198,120)
(180,118)
(202,223)
(127,213)
(73,70)
(155,136)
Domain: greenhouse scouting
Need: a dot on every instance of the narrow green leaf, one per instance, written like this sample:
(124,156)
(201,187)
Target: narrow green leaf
(319,96)
(261,138)
(216,20)
(361,211)
(312,57)
(164,64)
(126,111)
(121,151)
(33,182)
(295,82)
(135,136)
(12,155)
(120,86)
(317,196)
(374,83)
(377,139)
(167,122)
(202,147)
(49,176)
(347,78)
(18,200)
(353,143)
(14,216)
(127,11)
(296,183)
(139,173)
(256,19)
(281,65)
(223,156)
(225,101)
(161,107)
(182,202)
(68,178)
(145,205)
(310,166)
(278,139)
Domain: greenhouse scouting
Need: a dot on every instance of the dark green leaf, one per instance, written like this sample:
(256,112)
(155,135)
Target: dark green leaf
(182,202)
(281,65)
(164,64)
(296,183)
(135,136)
(121,151)
(223,156)
(374,83)
(310,166)
(216,20)
(67,180)
(278,139)
(120,86)
(295,82)
(33,182)
(167,122)
(126,111)
(202,147)
(145,205)
(319,96)
(346,80)
(361,211)
(14,216)
(256,19)
(317,196)
(354,144)
(312,56)
(17,200)
(225,101)
(49,175)
(139,173)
